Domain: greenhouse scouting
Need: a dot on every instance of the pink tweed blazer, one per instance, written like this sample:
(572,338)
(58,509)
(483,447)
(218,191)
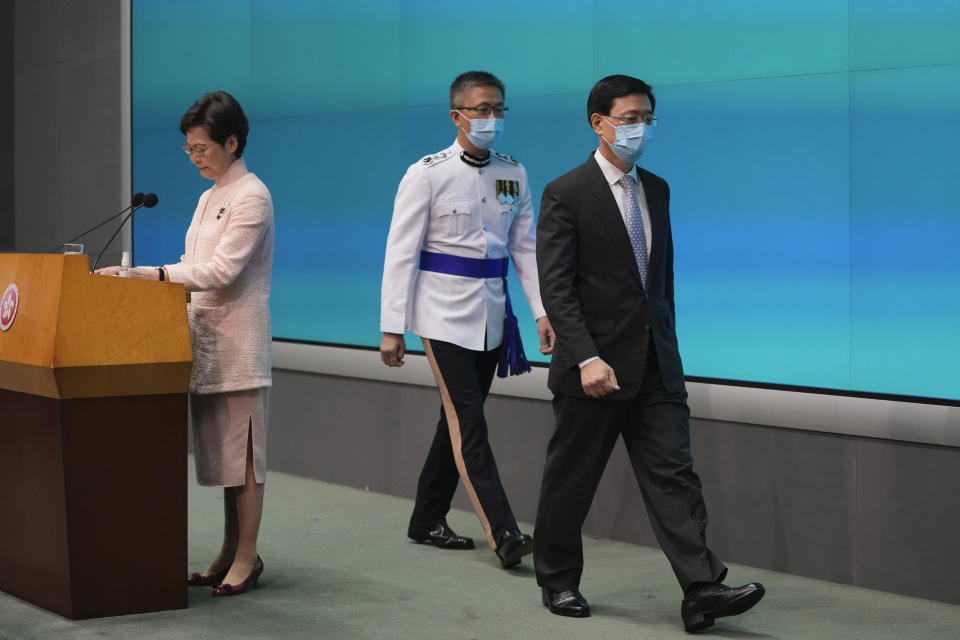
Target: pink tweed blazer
(226,264)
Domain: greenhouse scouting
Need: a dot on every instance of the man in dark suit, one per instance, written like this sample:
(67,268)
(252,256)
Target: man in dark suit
(605,258)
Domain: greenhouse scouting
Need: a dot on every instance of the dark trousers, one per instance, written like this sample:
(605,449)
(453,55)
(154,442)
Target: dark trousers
(655,428)
(460,450)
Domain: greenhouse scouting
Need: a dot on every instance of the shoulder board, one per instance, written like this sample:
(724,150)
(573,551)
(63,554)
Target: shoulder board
(436,158)
(507,158)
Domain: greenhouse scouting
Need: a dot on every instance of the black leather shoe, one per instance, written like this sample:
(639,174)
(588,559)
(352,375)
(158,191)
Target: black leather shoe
(716,601)
(442,536)
(566,603)
(513,546)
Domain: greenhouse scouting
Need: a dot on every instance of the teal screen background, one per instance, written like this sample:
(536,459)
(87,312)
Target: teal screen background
(811,150)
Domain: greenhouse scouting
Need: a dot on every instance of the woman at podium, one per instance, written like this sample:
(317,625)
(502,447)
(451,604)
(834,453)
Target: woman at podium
(226,265)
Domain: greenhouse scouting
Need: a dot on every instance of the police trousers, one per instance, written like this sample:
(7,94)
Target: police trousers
(460,449)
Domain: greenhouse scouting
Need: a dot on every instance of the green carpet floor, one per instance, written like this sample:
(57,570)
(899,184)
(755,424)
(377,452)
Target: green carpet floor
(338,565)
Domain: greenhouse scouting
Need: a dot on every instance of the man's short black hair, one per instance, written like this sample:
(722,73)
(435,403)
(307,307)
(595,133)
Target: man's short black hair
(612,87)
(472,79)
(221,115)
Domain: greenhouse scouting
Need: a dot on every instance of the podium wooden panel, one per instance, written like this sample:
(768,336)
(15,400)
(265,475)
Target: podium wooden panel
(94,373)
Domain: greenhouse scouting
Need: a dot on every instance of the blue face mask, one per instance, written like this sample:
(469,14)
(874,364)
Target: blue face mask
(631,140)
(484,132)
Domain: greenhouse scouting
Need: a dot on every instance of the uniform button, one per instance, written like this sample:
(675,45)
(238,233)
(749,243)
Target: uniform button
(481,171)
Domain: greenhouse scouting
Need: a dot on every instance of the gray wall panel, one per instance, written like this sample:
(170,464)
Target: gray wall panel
(814,505)
(367,437)
(7,211)
(37,152)
(779,498)
(54,31)
(67,117)
(37,33)
(909,518)
(854,510)
(90,152)
(87,29)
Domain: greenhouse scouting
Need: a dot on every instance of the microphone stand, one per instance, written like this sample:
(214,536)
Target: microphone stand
(137,201)
(100,255)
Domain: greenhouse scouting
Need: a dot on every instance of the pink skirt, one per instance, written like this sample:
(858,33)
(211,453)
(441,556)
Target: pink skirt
(222,425)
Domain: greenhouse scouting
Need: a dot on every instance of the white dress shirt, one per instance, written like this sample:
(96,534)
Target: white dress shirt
(613,174)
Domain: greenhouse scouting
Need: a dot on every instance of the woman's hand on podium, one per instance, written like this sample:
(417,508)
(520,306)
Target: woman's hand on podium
(108,271)
(144,273)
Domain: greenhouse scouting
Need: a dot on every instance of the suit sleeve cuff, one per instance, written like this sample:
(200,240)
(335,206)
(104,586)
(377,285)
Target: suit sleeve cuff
(584,363)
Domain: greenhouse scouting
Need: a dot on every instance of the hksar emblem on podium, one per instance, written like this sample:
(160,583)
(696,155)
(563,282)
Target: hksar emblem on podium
(8,306)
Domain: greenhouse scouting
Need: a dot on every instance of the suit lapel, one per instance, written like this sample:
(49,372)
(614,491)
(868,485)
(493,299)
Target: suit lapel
(609,214)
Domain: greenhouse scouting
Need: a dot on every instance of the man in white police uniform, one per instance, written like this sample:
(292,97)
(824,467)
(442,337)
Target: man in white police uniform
(458,214)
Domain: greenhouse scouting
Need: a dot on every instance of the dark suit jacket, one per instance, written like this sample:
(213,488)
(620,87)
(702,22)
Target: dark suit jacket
(591,285)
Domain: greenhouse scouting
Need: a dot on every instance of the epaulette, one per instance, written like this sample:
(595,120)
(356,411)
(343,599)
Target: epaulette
(507,158)
(437,158)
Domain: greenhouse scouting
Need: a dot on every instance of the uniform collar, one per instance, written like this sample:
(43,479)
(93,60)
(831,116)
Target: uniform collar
(470,160)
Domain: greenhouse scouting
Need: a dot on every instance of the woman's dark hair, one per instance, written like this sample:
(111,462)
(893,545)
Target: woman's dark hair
(612,87)
(221,115)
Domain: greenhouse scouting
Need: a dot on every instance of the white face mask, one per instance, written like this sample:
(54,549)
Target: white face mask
(484,132)
(631,140)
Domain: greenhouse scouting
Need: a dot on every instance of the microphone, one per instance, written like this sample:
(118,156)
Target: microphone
(149,201)
(136,201)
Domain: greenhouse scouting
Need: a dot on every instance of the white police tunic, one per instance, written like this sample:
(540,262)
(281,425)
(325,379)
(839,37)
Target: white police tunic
(445,205)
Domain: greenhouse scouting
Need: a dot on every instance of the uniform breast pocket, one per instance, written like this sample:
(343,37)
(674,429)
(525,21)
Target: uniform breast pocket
(453,216)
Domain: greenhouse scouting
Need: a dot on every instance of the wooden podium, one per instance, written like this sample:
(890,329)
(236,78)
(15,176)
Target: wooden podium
(94,373)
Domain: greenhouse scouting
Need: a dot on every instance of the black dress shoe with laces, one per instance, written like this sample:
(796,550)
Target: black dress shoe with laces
(512,547)
(442,536)
(566,603)
(702,606)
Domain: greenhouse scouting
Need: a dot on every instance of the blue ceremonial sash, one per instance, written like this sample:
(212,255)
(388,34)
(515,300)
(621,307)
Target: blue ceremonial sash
(513,361)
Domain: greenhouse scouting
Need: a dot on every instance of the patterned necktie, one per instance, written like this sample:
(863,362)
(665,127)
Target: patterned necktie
(634,221)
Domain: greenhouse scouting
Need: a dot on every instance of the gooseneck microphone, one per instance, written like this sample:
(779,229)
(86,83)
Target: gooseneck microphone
(150,200)
(135,202)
